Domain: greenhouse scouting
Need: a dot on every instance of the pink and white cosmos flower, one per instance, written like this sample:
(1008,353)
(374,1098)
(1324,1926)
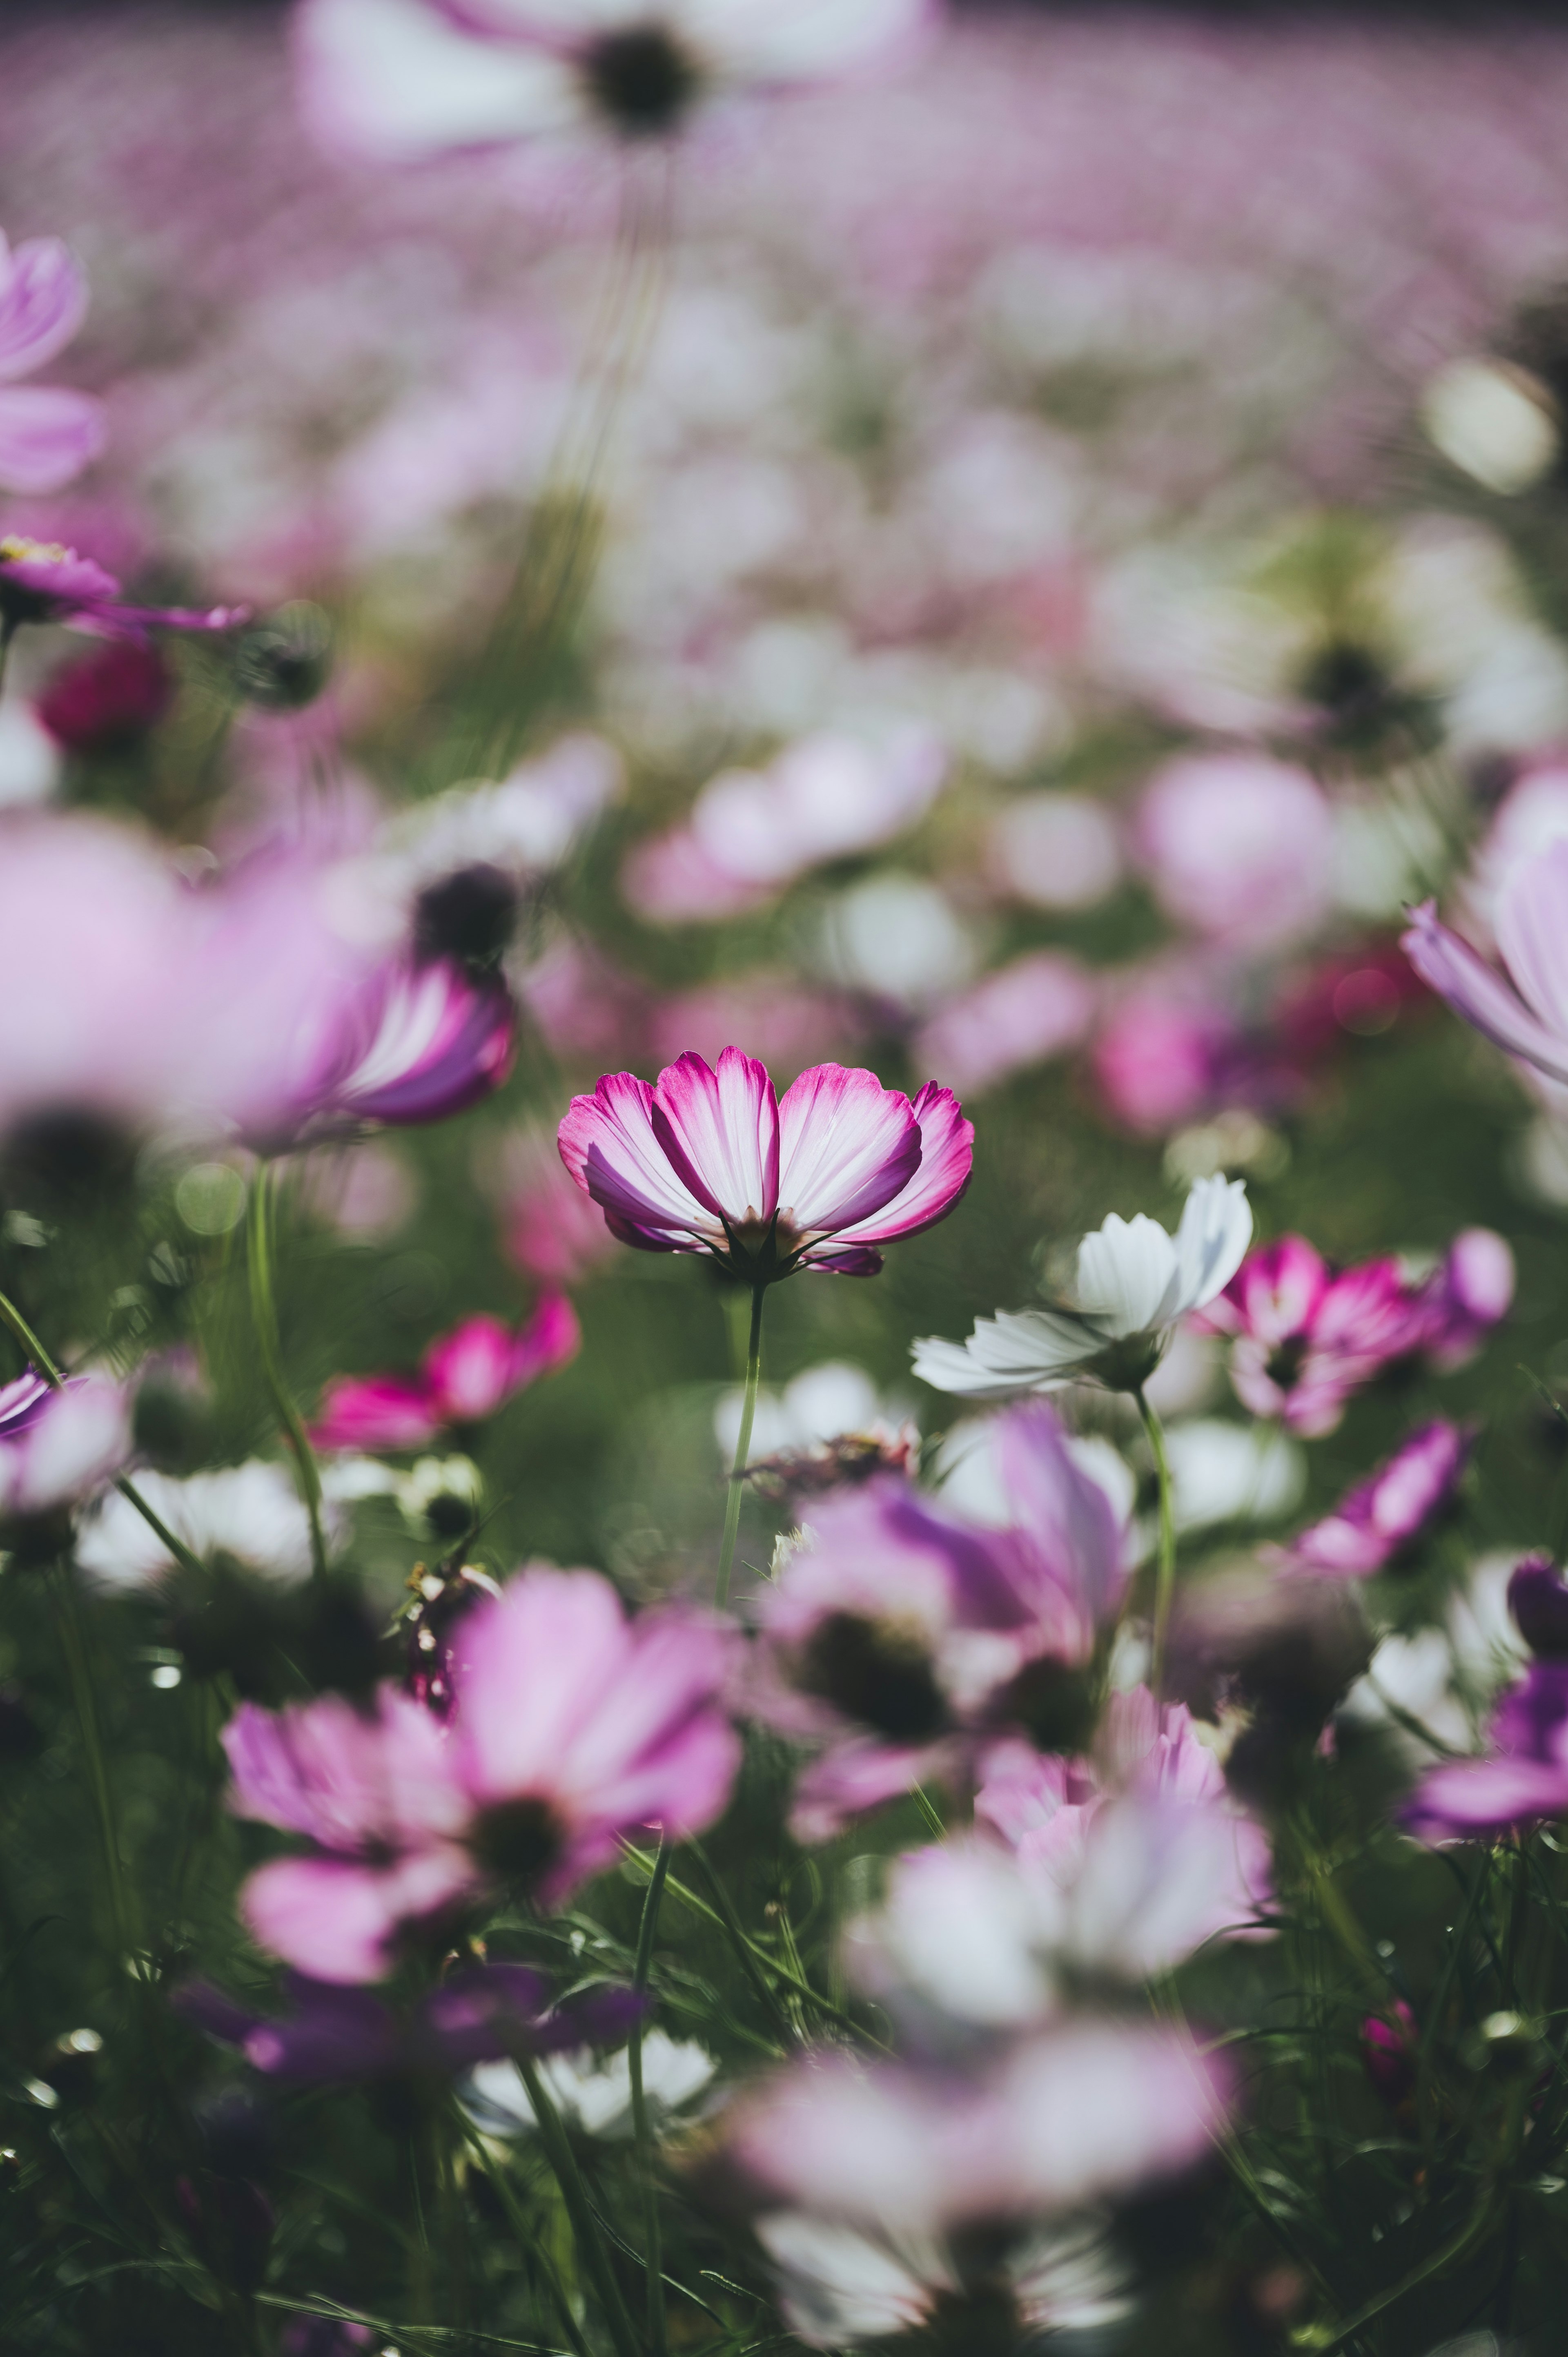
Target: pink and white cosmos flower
(1377,1521)
(1523,1009)
(59,1443)
(408,78)
(464,1378)
(716,1162)
(570,1727)
(48,434)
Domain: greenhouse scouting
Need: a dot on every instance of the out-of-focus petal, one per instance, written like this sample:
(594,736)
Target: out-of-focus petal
(1454,970)
(395,78)
(43,302)
(48,434)
(338,1920)
(374,1411)
(1212,1242)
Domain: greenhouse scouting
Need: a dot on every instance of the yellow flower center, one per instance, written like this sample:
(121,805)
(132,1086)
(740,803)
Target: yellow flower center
(16,548)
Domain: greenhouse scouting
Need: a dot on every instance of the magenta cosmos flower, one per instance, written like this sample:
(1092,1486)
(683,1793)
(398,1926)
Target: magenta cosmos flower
(1376,1522)
(40,581)
(407,77)
(1524,1008)
(464,1378)
(717,1162)
(1523,1780)
(46,433)
(571,1726)
(418,1041)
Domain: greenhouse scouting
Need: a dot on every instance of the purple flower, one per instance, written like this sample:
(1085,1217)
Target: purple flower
(1389,2052)
(407,77)
(46,433)
(479,2013)
(1539,1603)
(898,1634)
(40,581)
(570,1727)
(417,1042)
(716,1162)
(1091,2108)
(59,1445)
(1524,1008)
(1374,1521)
(1521,1779)
(465,1377)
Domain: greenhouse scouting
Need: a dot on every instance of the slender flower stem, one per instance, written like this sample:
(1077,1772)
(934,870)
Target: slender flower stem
(264,1315)
(742,1450)
(591,2245)
(73,1644)
(528,2236)
(11,1316)
(1165,1574)
(651,2234)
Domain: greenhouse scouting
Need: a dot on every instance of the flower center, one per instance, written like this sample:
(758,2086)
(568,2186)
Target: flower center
(469,915)
(878,1672)
(518,1840)
(642,78)
(1284,1364)
(1052,1700)
(18,549)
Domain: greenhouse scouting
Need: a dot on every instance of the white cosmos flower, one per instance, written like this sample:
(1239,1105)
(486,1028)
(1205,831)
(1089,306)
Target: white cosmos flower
(594,2093)
(1134,1283)
(407,77)
(251,1512)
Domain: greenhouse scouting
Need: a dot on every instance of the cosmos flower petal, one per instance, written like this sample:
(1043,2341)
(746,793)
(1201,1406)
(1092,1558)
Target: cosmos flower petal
(721,1132)
(43,302)
(337,1919)
(609,1144)
(396,78)
(48,434)
(947,1154)
(1473,989)
(1125,1271)
(1018,1349)
(374,1411)
(1212,1242)
(1530,911)
(805,39)
(847,1147)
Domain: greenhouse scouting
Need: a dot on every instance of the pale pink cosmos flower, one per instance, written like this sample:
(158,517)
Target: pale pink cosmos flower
(408,78)
(464,1378)
(59,1445)
(40,581)
(1522,1779)
(48,434)
(716,1162)
(550,1230)
(1239,847)
(1377,1521)
(1522,1009)
(569,1726)
(1090,2108)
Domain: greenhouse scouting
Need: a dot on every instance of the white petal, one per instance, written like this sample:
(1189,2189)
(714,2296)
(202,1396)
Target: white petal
(840,2285)
(1124,1273)
(797,40)
(389,77)
(1017,1350)
(1212,1242)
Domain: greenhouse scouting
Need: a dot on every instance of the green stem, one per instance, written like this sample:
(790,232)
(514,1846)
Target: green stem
(264,1315)
(73,1644)
(591,2245)
(1164,1575)
(742,1450)
(527,2235)
(651,2232)
(11,1316)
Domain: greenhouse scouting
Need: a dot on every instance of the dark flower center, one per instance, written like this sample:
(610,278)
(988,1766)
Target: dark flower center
(1345,680)
(283,663)
(878,1672)
(1284,1364)
(518,1840)
(1052,1700)
(469,915)
(641,79)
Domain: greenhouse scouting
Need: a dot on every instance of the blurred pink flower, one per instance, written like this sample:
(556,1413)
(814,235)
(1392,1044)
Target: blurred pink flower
(1523,1009)
(898,1634)
(751,831)
(770,1015)
(1377,1520)
(1037,1008)
(1470,1291)
(107,698)
(1091,2108)
(407,77)
(570,1727)
(714,1161)
(48,434)
(1537,1604)
(59,1445)
(40,581)
(1055,851)
(1522,1779)
(1158,1057)
(1238,848)
(464,1378)
(417,1042)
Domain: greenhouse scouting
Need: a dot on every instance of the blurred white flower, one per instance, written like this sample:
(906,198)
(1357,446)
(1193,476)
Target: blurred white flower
(1497,422)
(820,1404)
(1055,851)
(1223,1472)
(897,937)
(593,2092)
(252,1512)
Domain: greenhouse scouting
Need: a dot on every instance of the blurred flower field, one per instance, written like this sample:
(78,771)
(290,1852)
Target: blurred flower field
(783,1151)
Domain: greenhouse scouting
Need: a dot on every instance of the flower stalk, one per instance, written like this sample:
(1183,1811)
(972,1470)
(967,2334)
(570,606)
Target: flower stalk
(1165,1560)
(264,1315)
(641,2123)
(742,1450)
